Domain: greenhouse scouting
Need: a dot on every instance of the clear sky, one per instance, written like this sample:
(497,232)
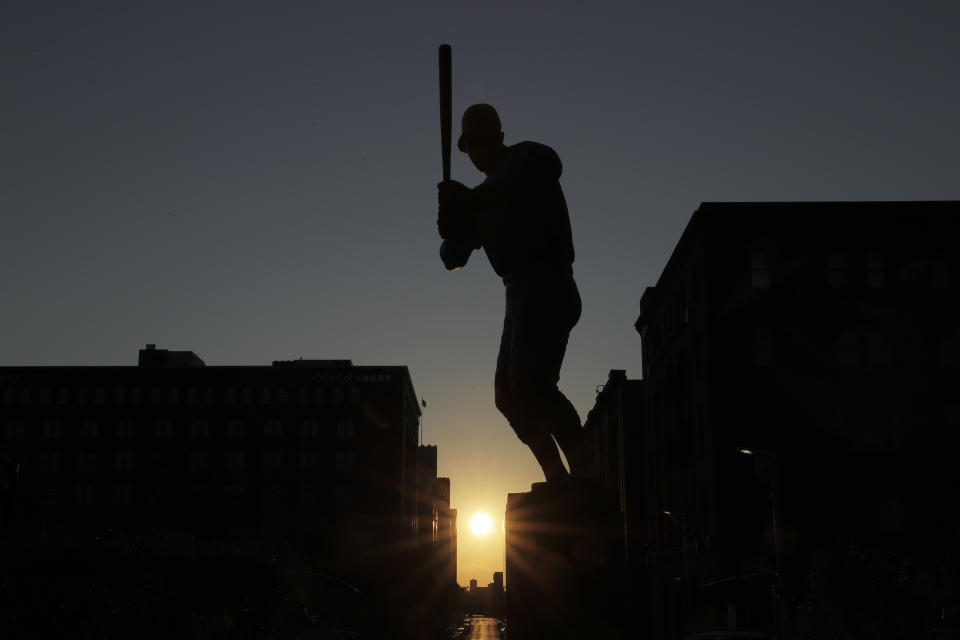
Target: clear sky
(256,180)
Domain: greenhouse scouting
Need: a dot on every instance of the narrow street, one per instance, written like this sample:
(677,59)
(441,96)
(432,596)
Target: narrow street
(484,629)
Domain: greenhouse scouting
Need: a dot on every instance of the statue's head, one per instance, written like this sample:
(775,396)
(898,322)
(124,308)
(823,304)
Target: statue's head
(481,138)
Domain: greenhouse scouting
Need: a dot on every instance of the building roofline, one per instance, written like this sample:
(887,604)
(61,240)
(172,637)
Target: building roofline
(650,295)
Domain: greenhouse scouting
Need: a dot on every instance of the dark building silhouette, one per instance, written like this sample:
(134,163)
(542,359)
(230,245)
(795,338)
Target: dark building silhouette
(317,456)
(800,421)
(616,445)
(437,522)
(486,601)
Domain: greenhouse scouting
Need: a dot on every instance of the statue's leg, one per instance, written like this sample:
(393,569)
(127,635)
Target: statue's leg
(554,311)
(539,318)
(526,424)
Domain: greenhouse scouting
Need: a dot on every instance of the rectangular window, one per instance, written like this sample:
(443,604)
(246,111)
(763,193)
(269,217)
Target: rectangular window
(89,429)
(837,271)
(272,461)
(83,494)
(49,462)
(309,429)
(163,430)
(124,461)
(236,429)
(876,274)
(199,430)
(197,461)
(309,461)
(234,461)
(51,429)
(122,494)
(763,347)
(759,271)
(87,462)
(273,429)
(345,428)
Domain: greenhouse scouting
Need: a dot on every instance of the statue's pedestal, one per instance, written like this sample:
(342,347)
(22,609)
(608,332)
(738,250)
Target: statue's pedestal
(564,563)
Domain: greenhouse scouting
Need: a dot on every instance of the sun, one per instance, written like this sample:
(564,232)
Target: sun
(481,524)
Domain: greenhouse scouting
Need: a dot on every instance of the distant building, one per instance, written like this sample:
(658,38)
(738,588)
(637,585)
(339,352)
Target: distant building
(801,363)
(437,522)
(488,600)
(447,529)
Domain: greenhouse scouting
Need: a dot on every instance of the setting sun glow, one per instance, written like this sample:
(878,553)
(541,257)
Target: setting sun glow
(481,524)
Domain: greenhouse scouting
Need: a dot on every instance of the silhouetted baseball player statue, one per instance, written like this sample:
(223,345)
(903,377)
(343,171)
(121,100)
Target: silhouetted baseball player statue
(519,216)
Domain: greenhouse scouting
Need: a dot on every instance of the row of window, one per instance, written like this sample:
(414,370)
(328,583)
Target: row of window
(838,271)
(123,494)
(271,461)
(165,429)
(856,348)
(122,395)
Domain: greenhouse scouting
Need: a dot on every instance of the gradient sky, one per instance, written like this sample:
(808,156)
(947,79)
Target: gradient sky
(256,180)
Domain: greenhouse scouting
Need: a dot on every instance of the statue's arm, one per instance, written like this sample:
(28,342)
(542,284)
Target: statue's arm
(454,254)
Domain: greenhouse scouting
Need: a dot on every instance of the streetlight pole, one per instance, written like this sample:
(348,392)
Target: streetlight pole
(773,495)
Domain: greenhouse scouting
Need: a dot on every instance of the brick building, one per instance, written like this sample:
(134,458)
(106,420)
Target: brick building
(318,456)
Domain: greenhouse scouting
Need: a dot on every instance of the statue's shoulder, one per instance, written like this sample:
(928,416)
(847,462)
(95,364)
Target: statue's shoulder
(535,156)
(530,147)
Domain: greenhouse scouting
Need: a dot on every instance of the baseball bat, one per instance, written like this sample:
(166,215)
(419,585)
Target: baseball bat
(446,108)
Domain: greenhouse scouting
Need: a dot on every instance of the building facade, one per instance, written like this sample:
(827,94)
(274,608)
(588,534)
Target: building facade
(800,365)
(316,456)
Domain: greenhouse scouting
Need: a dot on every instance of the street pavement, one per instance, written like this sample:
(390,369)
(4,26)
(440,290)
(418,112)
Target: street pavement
(484,629)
